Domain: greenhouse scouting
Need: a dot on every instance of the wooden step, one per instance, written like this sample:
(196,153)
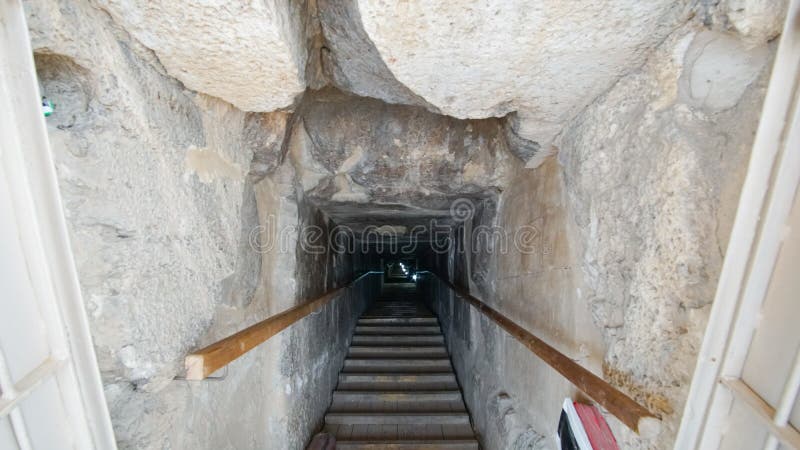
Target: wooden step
(466,444)
(397,418)
(395,340)
(394,381)
(397,352)
(397,365)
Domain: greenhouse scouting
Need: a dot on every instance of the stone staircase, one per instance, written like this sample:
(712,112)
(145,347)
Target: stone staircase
(397,389)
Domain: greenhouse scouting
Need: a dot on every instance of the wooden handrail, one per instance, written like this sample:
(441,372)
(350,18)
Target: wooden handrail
(207,360)
(628,411)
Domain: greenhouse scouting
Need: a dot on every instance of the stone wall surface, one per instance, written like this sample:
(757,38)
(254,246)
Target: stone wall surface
(167,194)
(368,162)
(250,54)
(544,60)
(527,271)
(653,171)
(627,235)
(196,143)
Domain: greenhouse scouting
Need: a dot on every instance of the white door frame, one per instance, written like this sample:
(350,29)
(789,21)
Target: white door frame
(767,197)
(34,225)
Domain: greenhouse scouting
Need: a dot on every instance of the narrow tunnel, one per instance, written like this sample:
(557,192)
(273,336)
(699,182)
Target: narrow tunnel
(364,225)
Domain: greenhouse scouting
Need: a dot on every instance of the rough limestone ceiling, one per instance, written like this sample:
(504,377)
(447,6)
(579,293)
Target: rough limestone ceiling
(249,53)
(544,59)
(406,163)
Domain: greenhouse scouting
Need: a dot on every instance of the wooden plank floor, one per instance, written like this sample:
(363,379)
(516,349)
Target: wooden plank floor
(397,389)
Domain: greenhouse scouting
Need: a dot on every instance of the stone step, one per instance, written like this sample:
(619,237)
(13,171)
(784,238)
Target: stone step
(379,305)
(397,305)
(397,419)
(398,320)
(400,433)
(398,329)
(389,312)
(397,401)
(397,381)
(398,395)
(358,351)
(385,315)
(397,389)
(393,340)
(397,365)
(397,302)
(466,444)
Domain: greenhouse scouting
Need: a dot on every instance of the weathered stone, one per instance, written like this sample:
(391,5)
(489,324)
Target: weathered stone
(189,215)
(546,61)
(161,210)
(653,182)
(251,54)
(526,150)
(759,21)
(265,135)
(623,242)
(351,59)
(402,161)
(722,67)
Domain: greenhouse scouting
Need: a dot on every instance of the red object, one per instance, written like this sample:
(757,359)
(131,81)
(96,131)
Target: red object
(597,429)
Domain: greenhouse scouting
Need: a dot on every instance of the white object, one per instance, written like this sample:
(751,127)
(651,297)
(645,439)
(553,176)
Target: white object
(743,392)
(581,438)
(52,396)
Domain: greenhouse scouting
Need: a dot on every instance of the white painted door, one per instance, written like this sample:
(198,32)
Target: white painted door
(745,386)
(50,391)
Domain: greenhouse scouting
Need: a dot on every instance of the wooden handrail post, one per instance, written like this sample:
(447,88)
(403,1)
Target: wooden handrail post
(628,411)
(207,360)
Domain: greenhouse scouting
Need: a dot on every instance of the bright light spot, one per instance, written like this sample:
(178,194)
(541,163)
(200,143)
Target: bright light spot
(414,277)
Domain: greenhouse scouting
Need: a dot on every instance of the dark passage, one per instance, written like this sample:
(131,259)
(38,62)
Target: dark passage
(397,389)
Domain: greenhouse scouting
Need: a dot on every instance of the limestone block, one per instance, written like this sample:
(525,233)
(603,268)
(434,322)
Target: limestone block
(757,20)
(652,180)
(250,54)
(352,151)
(546,60)
(719,67)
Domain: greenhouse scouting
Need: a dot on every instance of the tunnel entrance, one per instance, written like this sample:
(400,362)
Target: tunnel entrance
(304,207)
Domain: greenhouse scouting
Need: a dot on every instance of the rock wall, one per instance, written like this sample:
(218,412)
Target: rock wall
(189,215)
(543,60)
(253,53)
(626,233)
(172,197)
(525,268)
(655,229)
(360,157)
